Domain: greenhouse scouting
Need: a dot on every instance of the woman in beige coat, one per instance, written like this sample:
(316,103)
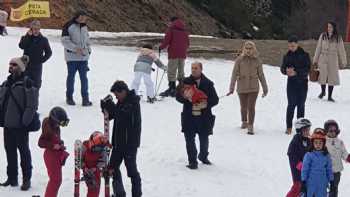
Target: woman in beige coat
(247,72)
(330,49)
(3,22)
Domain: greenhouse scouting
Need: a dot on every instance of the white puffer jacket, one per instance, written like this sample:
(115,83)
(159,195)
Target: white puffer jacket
(338,153)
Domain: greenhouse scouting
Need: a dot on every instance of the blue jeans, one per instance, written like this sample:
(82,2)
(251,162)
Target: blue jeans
(82,68)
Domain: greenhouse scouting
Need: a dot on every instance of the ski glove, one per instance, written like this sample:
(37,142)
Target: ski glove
(348,159)
(299,166)
(106,105)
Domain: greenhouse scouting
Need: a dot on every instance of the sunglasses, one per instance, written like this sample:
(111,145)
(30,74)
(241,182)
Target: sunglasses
(13,64)
(64,123)
(333,130)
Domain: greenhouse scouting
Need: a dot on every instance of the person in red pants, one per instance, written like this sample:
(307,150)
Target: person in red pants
(94,159)
(55,154)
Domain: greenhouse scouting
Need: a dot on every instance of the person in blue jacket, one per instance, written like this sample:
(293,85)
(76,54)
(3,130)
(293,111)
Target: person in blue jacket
(317,174)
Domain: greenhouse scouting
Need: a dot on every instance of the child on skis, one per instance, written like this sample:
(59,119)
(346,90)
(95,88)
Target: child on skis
(55,154)
(337,152)
(143,69)
(316,173)
(94,158)
(298,147)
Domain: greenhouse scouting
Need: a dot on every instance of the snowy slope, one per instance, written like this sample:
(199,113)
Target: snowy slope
(244,166)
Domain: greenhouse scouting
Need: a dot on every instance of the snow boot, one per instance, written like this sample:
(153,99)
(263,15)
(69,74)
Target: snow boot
(86,103)
(250,130)
(70,101)
(330,92)
(171,91)
(192,166)
(323,92)
(205,161)
(288,131)
(9,182)
(151,100)
(244,125)
(26,185)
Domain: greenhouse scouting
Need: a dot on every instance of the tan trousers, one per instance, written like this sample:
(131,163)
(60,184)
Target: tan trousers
(248,101)
(173,66)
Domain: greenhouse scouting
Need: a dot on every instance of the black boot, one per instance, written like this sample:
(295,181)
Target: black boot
(172,92)
(86,102)
(330,92)
(9,182)
(205,161)
(323,92)
(26,185)
(151,100)
(192,166)
(70,101)
(168,92)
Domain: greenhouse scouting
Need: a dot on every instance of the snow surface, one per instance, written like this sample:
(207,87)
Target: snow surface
(244,166)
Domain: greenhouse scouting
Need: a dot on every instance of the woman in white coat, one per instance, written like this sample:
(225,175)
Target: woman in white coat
(330,49)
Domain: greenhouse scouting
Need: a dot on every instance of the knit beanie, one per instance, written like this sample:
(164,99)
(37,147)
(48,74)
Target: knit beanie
(22,62)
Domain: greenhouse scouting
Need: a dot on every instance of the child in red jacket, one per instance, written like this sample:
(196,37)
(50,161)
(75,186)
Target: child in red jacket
(94,159)
(198,98)
(55,154)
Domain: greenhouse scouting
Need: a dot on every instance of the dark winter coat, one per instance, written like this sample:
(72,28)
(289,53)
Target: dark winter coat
(207,118)
(127,122)
(26,96)
(177,40)
(37,48)
(297,149)
(300,61)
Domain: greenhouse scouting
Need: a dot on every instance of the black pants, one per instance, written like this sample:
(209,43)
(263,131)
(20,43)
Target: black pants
(35,74)
(296,93)
(334,187)
(190,137)
(129,156)
(17,139)
(2,29)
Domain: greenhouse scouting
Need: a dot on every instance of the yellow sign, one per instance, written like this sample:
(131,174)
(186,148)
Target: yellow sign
(31,9)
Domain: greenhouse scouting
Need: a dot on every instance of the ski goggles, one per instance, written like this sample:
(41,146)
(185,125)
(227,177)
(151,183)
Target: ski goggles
(64,123)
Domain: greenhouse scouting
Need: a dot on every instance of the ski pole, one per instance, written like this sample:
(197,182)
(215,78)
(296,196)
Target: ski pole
(160,82)
(155,87)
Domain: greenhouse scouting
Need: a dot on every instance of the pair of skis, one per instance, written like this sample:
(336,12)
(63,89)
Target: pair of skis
(78,145)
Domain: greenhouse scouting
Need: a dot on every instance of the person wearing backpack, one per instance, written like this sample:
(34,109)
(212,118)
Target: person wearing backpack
(18,105)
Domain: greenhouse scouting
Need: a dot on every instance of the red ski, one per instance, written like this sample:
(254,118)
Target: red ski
(77,166)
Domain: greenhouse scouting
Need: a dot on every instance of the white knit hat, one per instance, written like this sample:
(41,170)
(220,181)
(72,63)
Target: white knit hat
(22,62)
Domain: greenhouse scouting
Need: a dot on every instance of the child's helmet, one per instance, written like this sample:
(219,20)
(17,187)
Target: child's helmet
(59,115)
(318,133)
(301,123)
(97,138)
(330,123)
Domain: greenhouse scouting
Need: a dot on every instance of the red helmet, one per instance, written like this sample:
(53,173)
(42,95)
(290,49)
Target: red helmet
(318,133)
(97,138)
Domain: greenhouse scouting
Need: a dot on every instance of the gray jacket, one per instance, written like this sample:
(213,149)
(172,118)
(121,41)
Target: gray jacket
(75,35)
(27,98)
(145,60)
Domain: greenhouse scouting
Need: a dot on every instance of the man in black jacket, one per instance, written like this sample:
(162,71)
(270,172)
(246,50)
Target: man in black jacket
(18,103)
(192,122)
(37,47)
(126,136)
(296,65)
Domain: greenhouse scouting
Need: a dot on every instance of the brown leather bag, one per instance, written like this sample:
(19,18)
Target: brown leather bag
(314,73)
